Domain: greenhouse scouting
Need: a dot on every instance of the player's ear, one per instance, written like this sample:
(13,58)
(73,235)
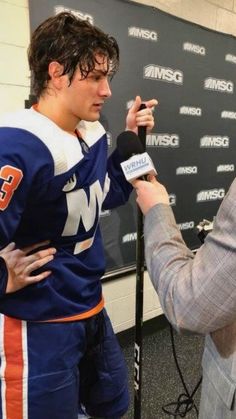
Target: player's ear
(55,71)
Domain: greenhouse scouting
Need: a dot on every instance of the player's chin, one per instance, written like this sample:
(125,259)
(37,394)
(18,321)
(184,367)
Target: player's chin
(93,116)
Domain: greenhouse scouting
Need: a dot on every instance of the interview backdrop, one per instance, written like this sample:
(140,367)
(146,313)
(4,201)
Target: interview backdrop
(192,72)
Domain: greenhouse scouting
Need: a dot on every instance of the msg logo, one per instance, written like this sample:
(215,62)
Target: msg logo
(196,49)
(188,225)
(228,114)
(186,170)
(163,140)
(225,168)
(219,85)
(166,74)
(231,58)
(130,237)
(142,33)
(210,195)
(190,110)
(214,141)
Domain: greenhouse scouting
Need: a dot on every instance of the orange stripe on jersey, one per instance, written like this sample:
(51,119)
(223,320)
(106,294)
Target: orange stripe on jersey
(81,316)
(13,368)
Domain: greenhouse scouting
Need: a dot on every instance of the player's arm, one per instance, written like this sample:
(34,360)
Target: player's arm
(21,174)
(119,189)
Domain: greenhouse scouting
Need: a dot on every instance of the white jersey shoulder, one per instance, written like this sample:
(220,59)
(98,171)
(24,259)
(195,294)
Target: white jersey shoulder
(54,138)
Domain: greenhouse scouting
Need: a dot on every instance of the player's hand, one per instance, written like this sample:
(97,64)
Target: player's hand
(20,264)
(150,193)
(142,118)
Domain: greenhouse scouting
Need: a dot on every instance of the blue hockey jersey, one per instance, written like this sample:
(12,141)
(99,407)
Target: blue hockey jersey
(53,186)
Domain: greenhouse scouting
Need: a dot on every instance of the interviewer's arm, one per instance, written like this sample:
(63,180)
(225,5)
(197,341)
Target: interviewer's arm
(196,293)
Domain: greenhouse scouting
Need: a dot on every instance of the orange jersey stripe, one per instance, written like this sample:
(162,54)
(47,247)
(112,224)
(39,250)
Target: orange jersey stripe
(81,316)
(14,368)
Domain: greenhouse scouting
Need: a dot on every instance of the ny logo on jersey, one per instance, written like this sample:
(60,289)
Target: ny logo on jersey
(81,208)
(70,184)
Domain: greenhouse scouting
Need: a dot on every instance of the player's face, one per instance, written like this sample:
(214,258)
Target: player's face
(85,97)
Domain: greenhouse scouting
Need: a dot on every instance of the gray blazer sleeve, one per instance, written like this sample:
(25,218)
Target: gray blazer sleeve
(196,293)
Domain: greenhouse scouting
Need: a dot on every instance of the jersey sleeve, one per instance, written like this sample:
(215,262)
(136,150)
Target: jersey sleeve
(118,188)
(19,166)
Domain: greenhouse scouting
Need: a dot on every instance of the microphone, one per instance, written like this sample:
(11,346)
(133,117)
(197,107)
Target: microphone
(137,163)
(129,144)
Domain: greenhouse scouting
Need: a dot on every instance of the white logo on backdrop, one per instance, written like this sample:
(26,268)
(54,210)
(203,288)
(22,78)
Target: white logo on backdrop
(162,140)
(78,13)
(186,170)
(172,199)
(129,104)
(105,213)
(187,225)
(214,141)
(210,195)
(142,33)
(190,110)
(219,85)
(156,72)
(130,237)
(228,114)
(225,168)
(196,49)
(230,58)
(109,139)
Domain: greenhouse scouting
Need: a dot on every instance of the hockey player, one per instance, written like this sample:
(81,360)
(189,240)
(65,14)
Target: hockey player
(59,355)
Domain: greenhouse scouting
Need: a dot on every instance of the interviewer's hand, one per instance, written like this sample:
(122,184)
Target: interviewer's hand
(141,118)
(20,264)
(150,193)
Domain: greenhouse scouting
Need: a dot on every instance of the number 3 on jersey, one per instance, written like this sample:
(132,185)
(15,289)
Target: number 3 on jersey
(11,177)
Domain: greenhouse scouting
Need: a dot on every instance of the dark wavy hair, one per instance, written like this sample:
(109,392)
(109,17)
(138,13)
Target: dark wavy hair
(71,42)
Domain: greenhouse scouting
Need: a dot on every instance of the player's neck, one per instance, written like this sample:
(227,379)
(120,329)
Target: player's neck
(52,110)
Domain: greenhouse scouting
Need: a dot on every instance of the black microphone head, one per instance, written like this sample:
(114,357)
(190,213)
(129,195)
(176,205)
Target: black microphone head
(129,144)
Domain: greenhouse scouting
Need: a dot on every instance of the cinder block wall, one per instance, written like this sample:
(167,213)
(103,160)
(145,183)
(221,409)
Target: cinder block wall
(219,15)
(14,39)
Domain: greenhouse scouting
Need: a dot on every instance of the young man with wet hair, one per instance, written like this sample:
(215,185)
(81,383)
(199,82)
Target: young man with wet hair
(59,356)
